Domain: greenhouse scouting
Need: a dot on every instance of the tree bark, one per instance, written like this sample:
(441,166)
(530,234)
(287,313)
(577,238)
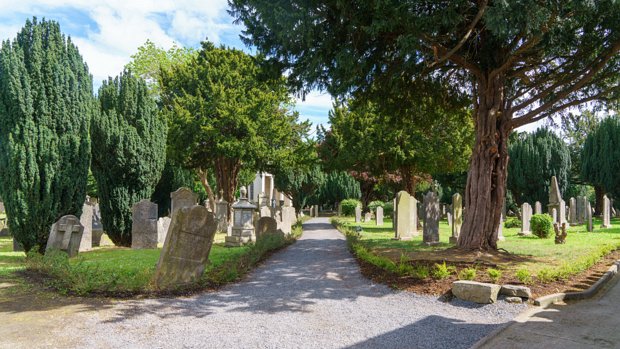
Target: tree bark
(226,174)
(598,205)
(408,180)
(486,180)
(205,183)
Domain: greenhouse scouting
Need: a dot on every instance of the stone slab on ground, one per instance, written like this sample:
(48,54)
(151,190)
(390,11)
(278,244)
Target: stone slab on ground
(474,291)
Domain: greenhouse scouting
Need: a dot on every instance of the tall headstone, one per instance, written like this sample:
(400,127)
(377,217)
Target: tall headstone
(379,216)
(186,250)
(432,214)
(66,235)
(403,222)
(581,209)
(183,197)
(265,226)
(340,208)
(562,212)
(316,210)
(500,230)
(86,219)
(555,199)
(572,211)
(554,215)
(606,212)
(457,217)
(163,224)
(537,207)
(589,225)
(221,213)
(358,214)
(144,225)
(367,217)
(526,215)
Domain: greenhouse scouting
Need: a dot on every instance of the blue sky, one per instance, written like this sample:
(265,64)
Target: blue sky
(107,33)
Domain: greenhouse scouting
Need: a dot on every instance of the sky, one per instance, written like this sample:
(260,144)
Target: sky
(108,32)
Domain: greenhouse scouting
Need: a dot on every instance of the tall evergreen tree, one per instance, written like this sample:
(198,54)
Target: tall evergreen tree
(534,159)
(46,103)
(339,185)
(600,159)
(129,138)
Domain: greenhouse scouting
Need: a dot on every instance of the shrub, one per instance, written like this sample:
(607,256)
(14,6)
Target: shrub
(512,222)
(420,272)
(467,274)
(542,225)
(524,276)
(546,275)
(494,275)
(388,209)
(442,271)
(374,204)
(348,206)
(403,267)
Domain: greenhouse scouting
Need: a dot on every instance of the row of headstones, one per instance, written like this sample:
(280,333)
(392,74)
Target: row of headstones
(368,215)
(406,217)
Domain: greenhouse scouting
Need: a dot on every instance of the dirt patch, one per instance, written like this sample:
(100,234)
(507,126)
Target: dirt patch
(481,262)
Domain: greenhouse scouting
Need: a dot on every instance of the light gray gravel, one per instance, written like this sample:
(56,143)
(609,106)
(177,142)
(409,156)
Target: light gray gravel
(310,295)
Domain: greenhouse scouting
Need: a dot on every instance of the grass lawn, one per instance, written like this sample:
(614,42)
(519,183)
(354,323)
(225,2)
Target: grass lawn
(541,257)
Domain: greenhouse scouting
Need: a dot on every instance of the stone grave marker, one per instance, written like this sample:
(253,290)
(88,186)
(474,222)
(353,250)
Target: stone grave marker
(266,211)
(526,215)
(581,209)
(221,213)
(287,219)
(555,199)
(243,229)
(432,214)
(183,197)
(144,225)
(66,235)
(500,230)
(186,250)
(367,217)
(572,211)
(562,212)
(379,216)
(457,217)
(590,226)
(606,213)
(86,219)
(537,207)
(406,208)
(163,224)
(265,226)
(340,209)
(358,214)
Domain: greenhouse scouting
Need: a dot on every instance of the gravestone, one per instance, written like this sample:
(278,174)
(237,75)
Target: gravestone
(97,226)
(394,214)
(606,213)
(449,217)
(562,212)
(340,208)
(526,215)
(86,219)
(66,235)
(287,219)
(379,216)
(316,210)
(432,214)
(187,246)
(572,211)
(367,217)
(581,209)
(358,214)
(555,199)
(163,224)
(500,230)
(537,207)
(554,214)
(266,225)
(457,217)
(221,213)
(183,197)
(266,211)
(144,225)
(405,223)
(590,226)
(242,231)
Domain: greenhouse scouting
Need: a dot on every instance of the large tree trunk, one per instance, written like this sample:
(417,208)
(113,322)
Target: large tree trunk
(226,174)
(408,180)
(486,179)
(205,183)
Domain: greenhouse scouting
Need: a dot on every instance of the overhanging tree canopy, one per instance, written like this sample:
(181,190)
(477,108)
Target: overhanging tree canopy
(518,61)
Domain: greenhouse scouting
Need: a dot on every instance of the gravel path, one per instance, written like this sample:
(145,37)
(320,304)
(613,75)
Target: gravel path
(310,295)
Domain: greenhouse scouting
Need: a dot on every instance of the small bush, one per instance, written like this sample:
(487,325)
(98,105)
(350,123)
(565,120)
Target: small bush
(494,275)
(545,275)
(442,271)
(404,268)
(374,204)
(524,276)
(512,222)
(388,209)
(420,272)
(467,274)
(542,225)
(349,205)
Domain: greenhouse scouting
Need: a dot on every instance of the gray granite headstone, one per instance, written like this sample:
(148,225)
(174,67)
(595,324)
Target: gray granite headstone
(183,197)
(606,213)
(432,215)
(144,225)
(221,213)
(66,235)
(581,209)
(526,215)
(572,211)
(537,207)
(379,215)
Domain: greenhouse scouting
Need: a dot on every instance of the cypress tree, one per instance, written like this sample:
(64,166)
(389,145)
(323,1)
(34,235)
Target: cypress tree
(339,185)
(129,142)
(46,103)
(534,159)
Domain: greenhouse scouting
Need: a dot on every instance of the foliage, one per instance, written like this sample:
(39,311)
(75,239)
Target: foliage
(541,225)
(467,274)
(46,103)
(524,276)
(338,185)
(420,272)
(301,185)
(534,159)
(512,222)
(442,271)
(172,178)
(225,112)
(494,274)
(600,157)
(348,206)
(372,206)
(130,137)
(575,129)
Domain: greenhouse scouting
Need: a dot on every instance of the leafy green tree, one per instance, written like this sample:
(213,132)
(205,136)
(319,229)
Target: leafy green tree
(302,185)
(338,185)
(226,113)
(172,178)
(534,159)
(46,102)
(517,61)
(600,159)
(130,137)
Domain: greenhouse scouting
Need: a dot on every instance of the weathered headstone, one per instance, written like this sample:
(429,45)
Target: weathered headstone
(367,217)
(555,198)
(86,219)
(287,219)
(590,226)
(379,216)
(266,211)
(266,225)
(606,213)
(554,214)
(316,210)
(163,224)
(526,215)
(242,231)
(537,207)
(562,212)
(572,211)
(221,213)
(183,197)
(144,225)
(66,235)
(186,250)
(340,209)
(432,214)
(581,209)
(500,230)
(457,217)
(404,224)
(358,214)
(449,218)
